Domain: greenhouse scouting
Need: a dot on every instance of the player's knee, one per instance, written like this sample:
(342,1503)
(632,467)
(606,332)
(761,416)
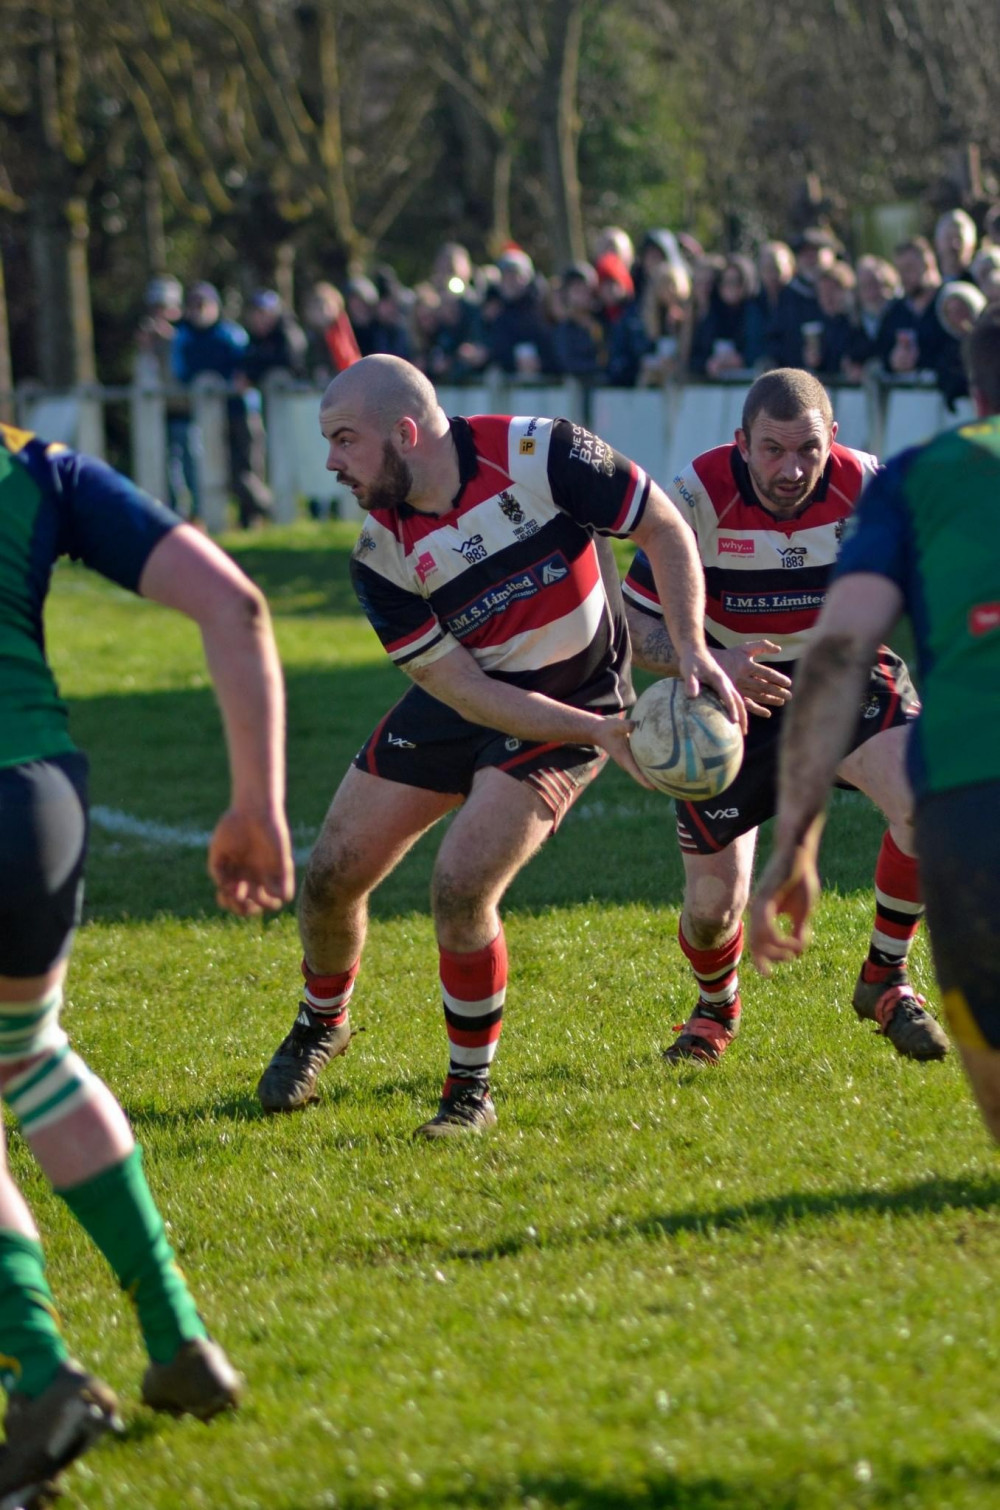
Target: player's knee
(457,899)
(710,919)
(29,1029)
(704,932)
(42,1080)
(334,876)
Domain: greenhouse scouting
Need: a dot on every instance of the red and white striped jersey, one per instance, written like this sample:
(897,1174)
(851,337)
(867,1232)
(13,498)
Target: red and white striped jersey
(765,578)
(515,570)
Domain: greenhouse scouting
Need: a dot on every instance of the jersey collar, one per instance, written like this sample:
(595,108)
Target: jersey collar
(465,446)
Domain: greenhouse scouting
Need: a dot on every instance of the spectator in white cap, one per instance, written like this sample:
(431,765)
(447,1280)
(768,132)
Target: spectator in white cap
(958,305)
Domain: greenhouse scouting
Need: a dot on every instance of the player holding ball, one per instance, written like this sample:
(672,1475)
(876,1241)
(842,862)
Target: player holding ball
(768,513)
(485,570)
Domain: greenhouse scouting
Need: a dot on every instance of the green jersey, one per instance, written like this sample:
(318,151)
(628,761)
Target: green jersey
(930,522)
(55,502)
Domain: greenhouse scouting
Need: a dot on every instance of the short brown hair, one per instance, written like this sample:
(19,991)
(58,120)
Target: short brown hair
(914,244)
(786,393)
(981,351)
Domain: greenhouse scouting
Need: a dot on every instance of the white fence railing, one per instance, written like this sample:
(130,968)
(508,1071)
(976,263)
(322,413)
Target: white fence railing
(661,428)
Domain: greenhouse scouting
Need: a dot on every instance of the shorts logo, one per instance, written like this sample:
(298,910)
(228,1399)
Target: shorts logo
(425,566)
(729,545)
(722,812)
(399,743)
(512,744)
(872,708)
(527,447)
(984,618)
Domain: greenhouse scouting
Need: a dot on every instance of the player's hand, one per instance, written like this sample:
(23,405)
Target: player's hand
(250,861)
(698,668)
(788,888)
(613,736)
(762,687)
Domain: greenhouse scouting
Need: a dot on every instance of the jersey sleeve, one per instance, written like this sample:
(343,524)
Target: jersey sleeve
(589,480)
(877,535)
(105,520)
(410,631)
(638,587)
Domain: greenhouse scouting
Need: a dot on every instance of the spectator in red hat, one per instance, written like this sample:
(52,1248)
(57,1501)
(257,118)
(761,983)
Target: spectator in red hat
(332,342)
(619,314)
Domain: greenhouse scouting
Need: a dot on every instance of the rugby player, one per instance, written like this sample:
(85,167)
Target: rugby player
(769,513)
(926,541)
(54,502)
(483,570)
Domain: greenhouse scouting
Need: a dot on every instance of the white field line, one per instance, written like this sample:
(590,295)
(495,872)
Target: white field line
(167,835)
(184,836)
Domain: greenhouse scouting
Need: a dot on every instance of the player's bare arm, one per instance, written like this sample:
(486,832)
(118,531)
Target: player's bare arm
(456,679)
(652,648)
(680,584)
(761,686)
(250,852)
(858,614)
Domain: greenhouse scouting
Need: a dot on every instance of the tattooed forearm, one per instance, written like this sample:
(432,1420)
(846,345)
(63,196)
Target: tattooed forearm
(652,648)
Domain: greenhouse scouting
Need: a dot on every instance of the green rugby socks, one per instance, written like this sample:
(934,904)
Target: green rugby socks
(31,1344)
(116,1209)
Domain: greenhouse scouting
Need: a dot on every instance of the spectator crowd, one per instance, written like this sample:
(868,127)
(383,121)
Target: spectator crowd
(631,316)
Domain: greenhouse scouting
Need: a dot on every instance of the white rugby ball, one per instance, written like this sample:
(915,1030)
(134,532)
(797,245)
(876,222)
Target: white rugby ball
(686,746)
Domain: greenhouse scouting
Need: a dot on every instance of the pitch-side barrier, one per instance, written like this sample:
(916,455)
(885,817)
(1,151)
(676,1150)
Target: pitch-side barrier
(660,428)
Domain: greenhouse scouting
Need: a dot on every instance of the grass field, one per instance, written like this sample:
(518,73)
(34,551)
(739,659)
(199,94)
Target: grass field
(765,1285)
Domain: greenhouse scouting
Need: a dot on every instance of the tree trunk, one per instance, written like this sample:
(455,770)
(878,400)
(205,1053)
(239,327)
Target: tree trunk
(560,129)
(500,232)
(156,239)
(78,270)
(48,244)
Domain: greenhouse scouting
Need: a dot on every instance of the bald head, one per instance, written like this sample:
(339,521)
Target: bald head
(386,389)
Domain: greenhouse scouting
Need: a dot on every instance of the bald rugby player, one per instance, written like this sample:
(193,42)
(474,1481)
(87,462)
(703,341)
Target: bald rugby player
(485,569)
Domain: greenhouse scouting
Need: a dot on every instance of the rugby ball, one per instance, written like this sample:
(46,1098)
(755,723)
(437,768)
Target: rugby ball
(686,746)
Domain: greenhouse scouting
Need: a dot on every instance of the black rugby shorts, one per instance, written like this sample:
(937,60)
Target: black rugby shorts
(422,742)
(958,846)
(43,845)
(706,827)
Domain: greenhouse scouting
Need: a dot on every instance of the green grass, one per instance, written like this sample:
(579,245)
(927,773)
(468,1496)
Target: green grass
(768,1285)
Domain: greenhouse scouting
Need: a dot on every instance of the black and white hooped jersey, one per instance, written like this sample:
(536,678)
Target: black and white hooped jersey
(516,571)
(765,578)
